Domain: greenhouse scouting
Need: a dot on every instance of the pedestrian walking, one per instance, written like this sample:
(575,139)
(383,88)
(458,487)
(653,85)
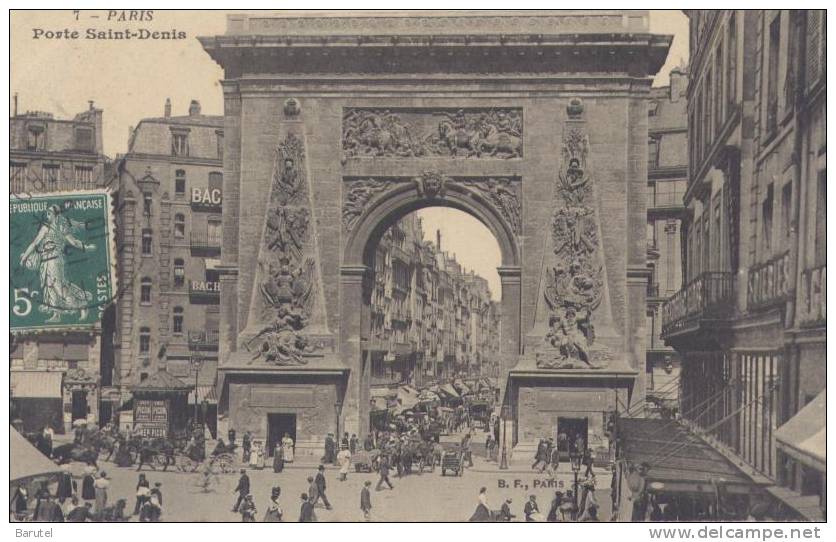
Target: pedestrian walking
(306,513)
(531,510)
(541,456)
(313,490)
(482,512)
(353,443)
(278,458)
(143,493)
(20,502)
(366,500)
(246,447)
(383,471)
(344,459)
(588,461)
(243,489)
(230,435)
(287,446)
(466,449)
(320,488)
(88,488)
(101,484)
(505,512)
(554,509)
(66,485)
(273,513)
(248,510)
(157,492)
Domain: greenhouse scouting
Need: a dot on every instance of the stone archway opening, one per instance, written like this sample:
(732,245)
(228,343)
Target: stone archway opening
(386,221)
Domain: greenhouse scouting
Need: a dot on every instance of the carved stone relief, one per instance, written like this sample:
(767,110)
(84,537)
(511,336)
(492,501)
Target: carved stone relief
(502,193)
(409,133)
(575,274)
(287,275)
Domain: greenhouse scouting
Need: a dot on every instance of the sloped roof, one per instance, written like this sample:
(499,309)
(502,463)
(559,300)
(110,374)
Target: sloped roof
(162,381)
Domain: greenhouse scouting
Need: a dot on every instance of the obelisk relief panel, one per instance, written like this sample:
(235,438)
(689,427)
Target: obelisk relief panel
(286,324)
(574,326)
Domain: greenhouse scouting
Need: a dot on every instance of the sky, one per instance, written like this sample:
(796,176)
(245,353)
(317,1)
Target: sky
(131,79)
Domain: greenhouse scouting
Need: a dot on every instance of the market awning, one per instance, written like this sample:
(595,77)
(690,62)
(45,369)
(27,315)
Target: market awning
(407,396)
(804,436)
(35,384)
(449,390)
(26,460)
(677,460)
(204,393)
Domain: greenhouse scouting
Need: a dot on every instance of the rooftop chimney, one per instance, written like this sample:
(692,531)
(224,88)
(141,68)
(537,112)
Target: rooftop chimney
(15,110)
(167,107)
(90,104)
(194,108)
(438,240)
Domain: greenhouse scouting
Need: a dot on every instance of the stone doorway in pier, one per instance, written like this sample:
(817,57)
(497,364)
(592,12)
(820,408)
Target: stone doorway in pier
(277,426)
(572,428)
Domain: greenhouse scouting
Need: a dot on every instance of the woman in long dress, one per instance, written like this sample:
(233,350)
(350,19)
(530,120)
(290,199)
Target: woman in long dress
(287,446)
(101,484)
(46,253)
(278,459)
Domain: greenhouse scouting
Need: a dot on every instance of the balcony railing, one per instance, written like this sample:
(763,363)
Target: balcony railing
(813,311)
(204,340)
(769,283)
(707,296)
(205,243)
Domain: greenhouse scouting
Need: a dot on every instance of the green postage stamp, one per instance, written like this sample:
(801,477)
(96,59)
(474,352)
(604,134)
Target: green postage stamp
(62,272)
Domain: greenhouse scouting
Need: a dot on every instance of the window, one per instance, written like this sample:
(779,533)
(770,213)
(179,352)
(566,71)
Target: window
(653,153)
(179,273)
(213,229)
(36,138)
(718,90)
(220,143)
(147,203)
(707,114)
(766,214)
(772,75)
(816,46)
(177,320)
(179,226)
(731,64)
(719,265)
(786,210)
(179,183)
(84,138)
(652,108)
(821,220)
(144,340)
(51,173)
(17,176)
(83,174)
(145,291)
(179,144)
(147,244)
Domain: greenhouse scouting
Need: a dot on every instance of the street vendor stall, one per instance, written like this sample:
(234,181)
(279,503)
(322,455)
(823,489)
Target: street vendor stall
(160,406)
(664,469)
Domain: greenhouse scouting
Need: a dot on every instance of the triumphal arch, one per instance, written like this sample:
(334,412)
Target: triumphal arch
(337,126)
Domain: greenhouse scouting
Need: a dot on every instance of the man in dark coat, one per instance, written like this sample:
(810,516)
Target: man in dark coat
(329,449)
(231,436)
(368,444)
(243,489)
(541,455)
(366,500)
(352,444)
(384,473)
(158,492)
(531,508)
(48,510)
(80,513)
(246,446)
(306,512)
(320,487)
(505,512)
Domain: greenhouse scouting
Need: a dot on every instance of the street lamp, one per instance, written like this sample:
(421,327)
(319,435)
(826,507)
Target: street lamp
(505,413)
(575,458)
(195,362)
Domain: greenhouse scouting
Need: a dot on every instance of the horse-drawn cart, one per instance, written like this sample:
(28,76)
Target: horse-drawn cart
(452,460)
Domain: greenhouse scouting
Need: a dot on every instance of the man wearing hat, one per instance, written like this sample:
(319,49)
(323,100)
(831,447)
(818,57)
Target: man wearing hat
(320,487)
(273,514)
(505,512)
(366,500)
(306,514)
(66,484)
(243,489)
(157,492)
(531,510)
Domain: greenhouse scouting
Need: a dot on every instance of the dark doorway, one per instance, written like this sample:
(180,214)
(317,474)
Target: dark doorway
(79,405)
(572,428)
(277,426)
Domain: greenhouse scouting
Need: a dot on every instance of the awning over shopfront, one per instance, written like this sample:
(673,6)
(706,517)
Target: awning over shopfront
(804,436)
(407,396)
(675,459)
(36,384)
(27,461)
(204,392)
(449,390)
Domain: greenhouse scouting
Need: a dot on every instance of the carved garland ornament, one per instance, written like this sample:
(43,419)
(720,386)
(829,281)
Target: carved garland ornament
(288,271)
